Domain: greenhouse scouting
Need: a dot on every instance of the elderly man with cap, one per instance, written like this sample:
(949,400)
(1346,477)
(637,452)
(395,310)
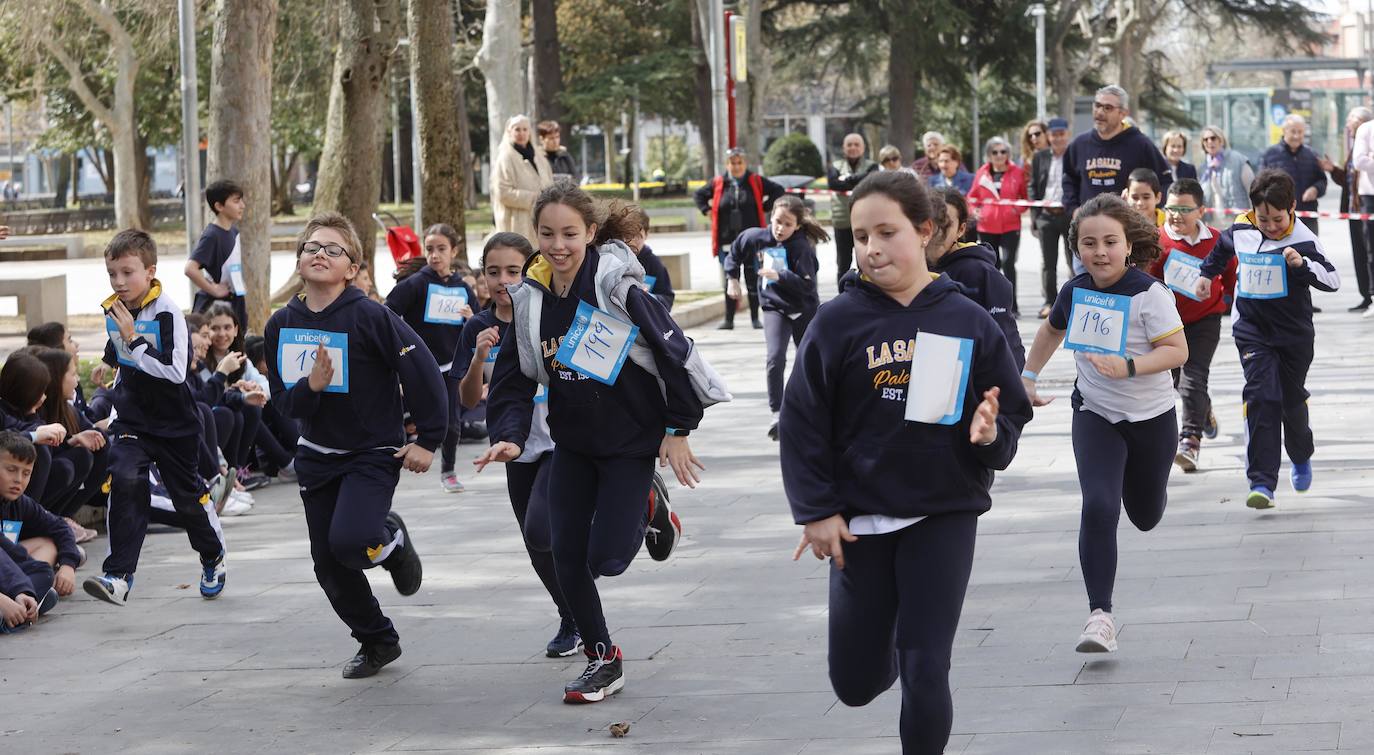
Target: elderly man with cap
(1050,224)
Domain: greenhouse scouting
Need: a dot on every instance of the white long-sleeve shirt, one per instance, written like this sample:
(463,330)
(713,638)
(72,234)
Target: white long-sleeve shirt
(1362,158)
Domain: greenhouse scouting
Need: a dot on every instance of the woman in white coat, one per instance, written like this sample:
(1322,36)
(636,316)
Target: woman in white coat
(519,174)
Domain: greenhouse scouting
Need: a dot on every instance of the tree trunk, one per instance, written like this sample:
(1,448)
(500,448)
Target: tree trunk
(701,90)
(442,175)
(608,150)
(749,94)
(901,87)
(144,178)
(61,179)
(548,68)
(351,165)
(1065,80)
(240,133)
(499,61)
(283,165)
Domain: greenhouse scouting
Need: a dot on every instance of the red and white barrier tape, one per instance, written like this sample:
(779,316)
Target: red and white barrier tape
(1230,211)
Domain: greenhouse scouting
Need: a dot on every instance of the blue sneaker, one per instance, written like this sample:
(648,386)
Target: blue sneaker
(48,602)
(1301,476)
(212,577)
(110,588)
(566,642)
(1260,498)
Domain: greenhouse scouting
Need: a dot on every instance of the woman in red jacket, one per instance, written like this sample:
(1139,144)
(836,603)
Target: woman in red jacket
(999,226)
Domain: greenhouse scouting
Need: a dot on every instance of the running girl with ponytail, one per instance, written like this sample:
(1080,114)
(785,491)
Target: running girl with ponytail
(784,253)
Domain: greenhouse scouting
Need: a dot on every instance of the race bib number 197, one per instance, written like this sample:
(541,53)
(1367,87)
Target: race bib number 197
(296,353)
(1262,276)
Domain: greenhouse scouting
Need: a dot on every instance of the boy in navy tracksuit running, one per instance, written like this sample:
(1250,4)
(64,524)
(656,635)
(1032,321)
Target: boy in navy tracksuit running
(157,420)
(856,447)
(435,302)
(1280,262)
(43,534)
(337,363)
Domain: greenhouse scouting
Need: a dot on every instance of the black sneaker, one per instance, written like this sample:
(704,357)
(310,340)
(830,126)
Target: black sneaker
(1209,426)
(664,528)
(604,675)
(254,480)
(566,642)
(471,430)
(48,602)
(1362,306)
(404,562)
(727,325)
(773,431)
(369,660)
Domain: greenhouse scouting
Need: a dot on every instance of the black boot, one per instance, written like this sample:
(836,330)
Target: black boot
(729,323)
(754,309)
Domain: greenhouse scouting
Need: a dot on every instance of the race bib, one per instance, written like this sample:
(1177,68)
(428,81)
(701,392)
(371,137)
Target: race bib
(1262,276)
(939,377)
(296,356)
(146,328)
(1181,273)
(597,343)
(236,280)
(774,258)
(649,281)
(489,363)
(444,304)
(1097,322)
(11,530)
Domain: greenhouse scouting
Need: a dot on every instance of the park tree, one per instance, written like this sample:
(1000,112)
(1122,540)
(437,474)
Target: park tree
(441,113)
(240,132)
(546,59)
(350,175)
(499,60)
(302,63)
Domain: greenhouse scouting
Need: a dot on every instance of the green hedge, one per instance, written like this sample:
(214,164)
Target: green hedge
(793,155)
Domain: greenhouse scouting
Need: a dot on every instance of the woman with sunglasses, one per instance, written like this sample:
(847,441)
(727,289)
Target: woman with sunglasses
(1035,136)
(999,226)
(1225,177)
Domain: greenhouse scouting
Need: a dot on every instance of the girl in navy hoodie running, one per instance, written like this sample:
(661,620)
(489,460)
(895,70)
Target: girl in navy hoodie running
(897,376)
(1126,333)
(784,253)
(609,418)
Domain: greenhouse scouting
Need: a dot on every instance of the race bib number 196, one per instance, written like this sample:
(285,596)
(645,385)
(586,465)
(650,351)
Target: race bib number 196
(296,352)
(1097,322)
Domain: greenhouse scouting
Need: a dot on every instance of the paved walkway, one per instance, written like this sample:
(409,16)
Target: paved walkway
(1241,631)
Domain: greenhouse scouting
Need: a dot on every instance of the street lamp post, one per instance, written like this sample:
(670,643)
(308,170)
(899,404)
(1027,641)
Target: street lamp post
(190,124)
(1038,11)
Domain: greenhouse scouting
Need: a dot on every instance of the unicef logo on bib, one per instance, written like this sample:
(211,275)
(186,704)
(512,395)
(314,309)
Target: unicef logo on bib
(1261,276)
(296,353)
(1181,273)
(148,329)
(1097,322)
(597,343)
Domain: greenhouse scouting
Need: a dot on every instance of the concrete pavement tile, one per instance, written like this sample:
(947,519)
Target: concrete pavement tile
(1275,738)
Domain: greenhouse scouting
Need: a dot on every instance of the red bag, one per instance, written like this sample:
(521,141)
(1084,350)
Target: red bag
(400,239)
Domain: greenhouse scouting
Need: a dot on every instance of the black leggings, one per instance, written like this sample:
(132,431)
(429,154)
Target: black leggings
(528,485)
(894,609)
(844,251)
(598,527)
(751,287)
(1122,464)
(448,450)
(71,465)
(1006,245)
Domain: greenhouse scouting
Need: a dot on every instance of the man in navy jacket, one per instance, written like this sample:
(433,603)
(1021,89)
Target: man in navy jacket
(1298,160)
(1098,161)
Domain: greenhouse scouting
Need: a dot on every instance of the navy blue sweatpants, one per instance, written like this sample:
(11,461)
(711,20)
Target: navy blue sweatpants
(1120,464)
(894,609)
(598,526)
(347,497)
(528,485)
(130,495)
(1276,415)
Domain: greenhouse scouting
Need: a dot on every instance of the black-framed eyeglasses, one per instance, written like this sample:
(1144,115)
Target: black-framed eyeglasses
(313,248)
(1106,107)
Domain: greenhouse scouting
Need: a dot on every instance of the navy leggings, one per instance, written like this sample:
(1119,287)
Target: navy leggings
(528,485)
(894,609)
(448,450)
(1121,464)
(598,527)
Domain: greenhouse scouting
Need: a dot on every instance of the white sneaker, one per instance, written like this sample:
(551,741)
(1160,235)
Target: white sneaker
(1099,634)
(243,495)
(236,507)
(1368,314)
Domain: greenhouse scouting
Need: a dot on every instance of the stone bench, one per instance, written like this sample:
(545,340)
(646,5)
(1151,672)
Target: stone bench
(679,265)
(73,246)
(40,299)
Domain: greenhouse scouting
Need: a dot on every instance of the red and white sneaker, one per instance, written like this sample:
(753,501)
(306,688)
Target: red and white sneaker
(604,675)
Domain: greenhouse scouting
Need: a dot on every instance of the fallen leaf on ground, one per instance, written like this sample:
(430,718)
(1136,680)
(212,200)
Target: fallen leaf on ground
(620,729)
(183,587)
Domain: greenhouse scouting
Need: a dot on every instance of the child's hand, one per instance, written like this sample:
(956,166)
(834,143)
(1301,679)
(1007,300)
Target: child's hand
(64,580)
(503,451)
(485,340)
(255,397)
(824,538)
(983,430)
(1109,365)
(1203,288)
(231,362)
(323,371)
(1293,257)
(1031,393)
(768,273)
(101,373)
(50,435)
(465,311)
(123,320)
(91,440)
(414,458)
(675,451)
(11,612)
(732,288)
(30,606)
(219,290)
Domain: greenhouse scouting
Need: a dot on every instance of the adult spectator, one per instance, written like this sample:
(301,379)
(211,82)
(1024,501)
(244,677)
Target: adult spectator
(1225,177)
(1175,146)
(520,172)
(951,173)
(560,161)
(844,174)
(889,158)
(1348,177)
(931,141)
(1298,160)
(1035,136)
(999,226)
(1050,224)
(737,200)
(1099,161)
(1363,162)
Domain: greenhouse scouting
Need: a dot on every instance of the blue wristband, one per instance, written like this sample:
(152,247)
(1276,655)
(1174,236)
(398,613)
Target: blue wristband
(1031,376)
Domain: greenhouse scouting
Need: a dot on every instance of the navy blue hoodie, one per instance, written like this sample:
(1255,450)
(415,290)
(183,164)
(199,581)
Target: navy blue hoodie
(794,292)
(1093,165)
(627,419)
(384,355)
(846,445)
(15,565)
(409,299)
(974,266)
(36,521)
(662,288)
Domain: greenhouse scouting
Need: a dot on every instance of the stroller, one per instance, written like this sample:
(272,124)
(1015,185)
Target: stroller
(400,239)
